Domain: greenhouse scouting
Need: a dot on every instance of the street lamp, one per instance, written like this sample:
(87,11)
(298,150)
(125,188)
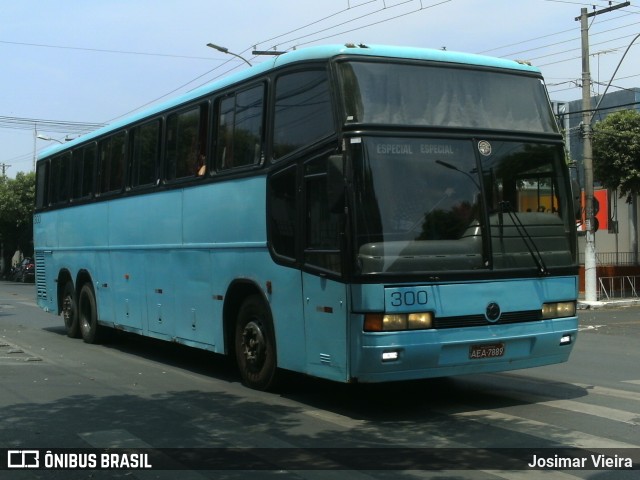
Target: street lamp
(226,50)
(49,139)
(37,136)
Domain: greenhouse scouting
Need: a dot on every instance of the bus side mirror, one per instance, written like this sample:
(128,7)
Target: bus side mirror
(335,183)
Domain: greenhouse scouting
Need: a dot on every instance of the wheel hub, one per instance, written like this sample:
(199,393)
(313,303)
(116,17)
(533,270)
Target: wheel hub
(253,344)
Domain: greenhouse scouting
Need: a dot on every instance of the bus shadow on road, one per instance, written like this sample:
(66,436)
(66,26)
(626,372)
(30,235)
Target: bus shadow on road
(393,401)
(431,397)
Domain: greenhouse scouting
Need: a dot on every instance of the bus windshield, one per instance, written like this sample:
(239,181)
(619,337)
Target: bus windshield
(427,205)
(446,97)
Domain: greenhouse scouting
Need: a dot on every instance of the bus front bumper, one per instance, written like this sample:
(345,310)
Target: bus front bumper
(411,355)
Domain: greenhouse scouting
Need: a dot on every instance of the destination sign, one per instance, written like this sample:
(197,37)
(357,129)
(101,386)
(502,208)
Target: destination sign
(413,148)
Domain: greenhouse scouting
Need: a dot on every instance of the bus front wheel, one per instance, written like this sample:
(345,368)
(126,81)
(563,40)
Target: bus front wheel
(255,345)
(88,314)
(70,310)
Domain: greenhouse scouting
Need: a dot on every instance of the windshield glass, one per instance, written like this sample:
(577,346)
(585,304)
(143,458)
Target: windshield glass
(414,211)
(528,205)
(419,206)
(427,95)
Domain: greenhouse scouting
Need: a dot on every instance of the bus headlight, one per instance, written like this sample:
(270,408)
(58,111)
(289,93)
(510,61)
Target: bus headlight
(394,322)
(420,321)
(558,310)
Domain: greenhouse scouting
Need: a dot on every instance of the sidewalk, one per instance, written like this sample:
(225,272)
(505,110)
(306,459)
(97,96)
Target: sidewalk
(611,303)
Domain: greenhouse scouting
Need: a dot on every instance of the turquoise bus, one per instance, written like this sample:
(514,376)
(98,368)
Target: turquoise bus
(355,213)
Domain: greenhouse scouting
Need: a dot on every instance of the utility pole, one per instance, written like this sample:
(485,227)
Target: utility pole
(4,167)
(590,277)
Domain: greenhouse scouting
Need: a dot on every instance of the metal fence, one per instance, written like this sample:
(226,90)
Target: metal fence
(618,287)
(612,258)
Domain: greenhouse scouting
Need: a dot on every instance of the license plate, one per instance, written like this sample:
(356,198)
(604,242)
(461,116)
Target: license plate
(492,350)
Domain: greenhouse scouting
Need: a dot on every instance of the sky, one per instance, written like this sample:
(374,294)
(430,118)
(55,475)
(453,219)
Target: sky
(68,65)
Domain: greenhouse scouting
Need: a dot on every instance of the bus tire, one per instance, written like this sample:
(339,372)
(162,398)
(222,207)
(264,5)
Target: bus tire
(70,310)
(88,314)
(255,345)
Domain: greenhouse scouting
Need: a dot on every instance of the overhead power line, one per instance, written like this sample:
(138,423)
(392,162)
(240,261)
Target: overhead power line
(102,50)
(57,126)
(385,7)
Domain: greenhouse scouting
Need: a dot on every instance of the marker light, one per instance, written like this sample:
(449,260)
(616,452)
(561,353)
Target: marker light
(390,356)
(394,322)
(558,310)
(565,339)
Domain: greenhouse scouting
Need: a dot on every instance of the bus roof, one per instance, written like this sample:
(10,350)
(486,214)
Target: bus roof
(306,54)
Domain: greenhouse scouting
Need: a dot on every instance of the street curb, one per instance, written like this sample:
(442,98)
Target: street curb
(623,302)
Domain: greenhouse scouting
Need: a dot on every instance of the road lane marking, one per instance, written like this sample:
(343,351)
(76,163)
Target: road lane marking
(11,354)
(545,431)
(594,410)
(120,438)
(612,392)
(335,418)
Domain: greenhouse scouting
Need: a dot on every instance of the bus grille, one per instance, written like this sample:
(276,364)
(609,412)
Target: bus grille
(480,320)
(41,277)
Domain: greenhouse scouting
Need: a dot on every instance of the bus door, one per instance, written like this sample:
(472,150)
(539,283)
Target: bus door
(324,295)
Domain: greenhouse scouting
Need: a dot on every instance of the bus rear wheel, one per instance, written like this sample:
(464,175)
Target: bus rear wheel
(255,345)
(70,310)
(88,314)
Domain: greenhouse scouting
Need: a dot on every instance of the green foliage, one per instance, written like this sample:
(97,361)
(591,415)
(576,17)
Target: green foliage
(616,152)
(16,212)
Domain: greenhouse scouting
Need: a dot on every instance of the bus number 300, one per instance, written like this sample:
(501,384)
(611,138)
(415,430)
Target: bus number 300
(399,299)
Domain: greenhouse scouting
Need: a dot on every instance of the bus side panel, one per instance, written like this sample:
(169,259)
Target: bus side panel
(144,233)
(288,316)
(226,213)
(161,293)
(198,318)
(326,306)
(46,234)
(220,229)
(129,290)
(84,227)
(230,220)
(150,221)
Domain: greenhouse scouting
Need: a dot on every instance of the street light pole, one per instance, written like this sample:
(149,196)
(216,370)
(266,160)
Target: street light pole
(590,274)
(587,158)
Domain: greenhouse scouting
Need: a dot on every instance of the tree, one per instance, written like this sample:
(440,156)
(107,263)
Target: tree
(616,152)
(16,213)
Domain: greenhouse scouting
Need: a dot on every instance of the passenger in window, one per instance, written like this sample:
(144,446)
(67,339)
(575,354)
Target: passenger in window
(201,166)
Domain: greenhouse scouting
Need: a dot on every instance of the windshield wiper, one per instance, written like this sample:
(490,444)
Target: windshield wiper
(524,234)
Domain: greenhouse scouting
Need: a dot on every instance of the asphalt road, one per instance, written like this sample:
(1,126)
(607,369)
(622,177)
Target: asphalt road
(141,394)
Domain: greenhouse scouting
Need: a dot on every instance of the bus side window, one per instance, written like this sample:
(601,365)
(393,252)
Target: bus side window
(60,178)
(303,112)
(145,152)
(240,129)
(283,212)
(186,143)
(84,159)
(42,184)
(322,227)
(112,161)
